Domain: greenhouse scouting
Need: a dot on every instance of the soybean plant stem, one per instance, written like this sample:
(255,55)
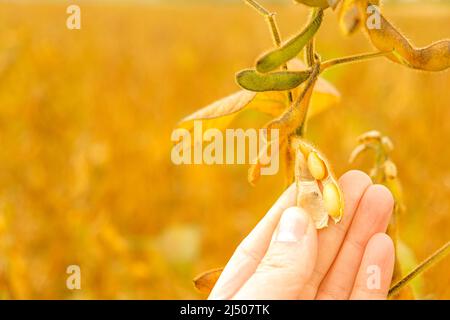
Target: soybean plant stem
(304,105)
(258,7)
(270,17)
(360,57)
(429,262)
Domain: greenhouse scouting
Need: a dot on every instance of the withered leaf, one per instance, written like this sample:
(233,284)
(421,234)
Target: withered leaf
(205,282)
(220,113)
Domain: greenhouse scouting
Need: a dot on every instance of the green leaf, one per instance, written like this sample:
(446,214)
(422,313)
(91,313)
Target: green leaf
(274,59)
(276,81)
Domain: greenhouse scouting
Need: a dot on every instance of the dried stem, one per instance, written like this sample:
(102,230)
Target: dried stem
(360,57)
(258,7)
(275,31)
(429,262)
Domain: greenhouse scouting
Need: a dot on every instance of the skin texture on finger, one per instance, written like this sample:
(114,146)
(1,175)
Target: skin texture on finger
(252,249)
(375,273)
(372,216)
(289,261)
(353,184)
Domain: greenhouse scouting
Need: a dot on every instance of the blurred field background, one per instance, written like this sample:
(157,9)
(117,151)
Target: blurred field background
(85,124)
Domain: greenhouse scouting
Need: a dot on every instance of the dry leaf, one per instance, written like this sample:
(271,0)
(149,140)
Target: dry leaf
(221,108)
(220,113)
(205,282)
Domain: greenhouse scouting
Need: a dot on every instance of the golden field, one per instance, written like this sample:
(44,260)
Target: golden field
(85,124)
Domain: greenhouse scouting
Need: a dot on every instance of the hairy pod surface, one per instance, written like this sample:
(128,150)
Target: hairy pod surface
(318,189)
(274,59)
(276,81)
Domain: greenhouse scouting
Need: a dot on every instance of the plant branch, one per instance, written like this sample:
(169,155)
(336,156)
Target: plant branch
(360,57)
(429,262)
(298,103)
(275,31)
(255,5)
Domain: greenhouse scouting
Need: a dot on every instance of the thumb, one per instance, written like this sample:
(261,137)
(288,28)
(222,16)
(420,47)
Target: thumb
(289,261)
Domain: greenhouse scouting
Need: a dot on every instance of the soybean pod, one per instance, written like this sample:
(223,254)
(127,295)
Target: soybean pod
(276,58)
(276,81)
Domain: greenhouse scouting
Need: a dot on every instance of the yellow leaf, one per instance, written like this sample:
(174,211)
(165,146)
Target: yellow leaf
(324,96)
(220,113)
(205,282)
(221,108)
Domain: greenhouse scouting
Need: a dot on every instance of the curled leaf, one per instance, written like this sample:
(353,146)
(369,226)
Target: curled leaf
(276,81)
(205,282)
(386,38)
(274,59)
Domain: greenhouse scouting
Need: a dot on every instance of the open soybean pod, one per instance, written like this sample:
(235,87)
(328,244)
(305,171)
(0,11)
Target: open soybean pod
(276,81)
(320,169)
(385,37)
(319,192)
(276,58)
(319,3)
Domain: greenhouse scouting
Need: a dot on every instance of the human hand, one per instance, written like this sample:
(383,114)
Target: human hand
(284,257)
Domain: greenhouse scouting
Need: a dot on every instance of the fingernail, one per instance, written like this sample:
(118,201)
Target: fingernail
(293,225)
